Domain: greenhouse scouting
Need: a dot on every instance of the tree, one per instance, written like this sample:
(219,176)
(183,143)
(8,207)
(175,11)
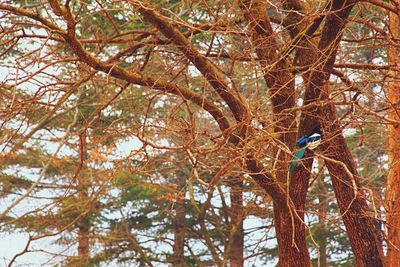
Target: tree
(237,83)
(393,185)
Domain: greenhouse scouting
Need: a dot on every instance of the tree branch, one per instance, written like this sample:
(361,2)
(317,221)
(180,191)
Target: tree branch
(118,72)
(209,71)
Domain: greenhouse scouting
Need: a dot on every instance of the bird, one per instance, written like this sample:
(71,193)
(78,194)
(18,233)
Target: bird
(310,141)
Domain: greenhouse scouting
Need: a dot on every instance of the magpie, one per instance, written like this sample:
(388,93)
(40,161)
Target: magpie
(310,141)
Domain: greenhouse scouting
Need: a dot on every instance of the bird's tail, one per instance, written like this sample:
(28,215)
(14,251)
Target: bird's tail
(299,154)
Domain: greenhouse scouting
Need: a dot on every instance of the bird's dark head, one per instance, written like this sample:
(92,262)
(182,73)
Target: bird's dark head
(317,129)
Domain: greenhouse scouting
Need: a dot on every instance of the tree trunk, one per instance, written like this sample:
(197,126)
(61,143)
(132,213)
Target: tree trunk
(236,248)
(290,230)
(393,179)
(83,241)
(360,224)
(84,223)
(179,230)
(322,229)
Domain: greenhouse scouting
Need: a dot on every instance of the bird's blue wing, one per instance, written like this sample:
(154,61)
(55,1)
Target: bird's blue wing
(302,141)
(299,154)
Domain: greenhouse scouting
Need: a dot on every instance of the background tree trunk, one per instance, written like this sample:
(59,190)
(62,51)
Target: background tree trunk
(393,179)
(84,202)
(179,224)
(322,229)
(236,251)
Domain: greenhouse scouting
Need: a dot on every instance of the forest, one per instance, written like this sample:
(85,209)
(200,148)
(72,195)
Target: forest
(200,133)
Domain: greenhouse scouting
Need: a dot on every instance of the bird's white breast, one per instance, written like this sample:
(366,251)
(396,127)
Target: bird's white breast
(314,144)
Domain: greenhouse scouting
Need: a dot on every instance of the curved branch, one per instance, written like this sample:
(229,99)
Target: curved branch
(209,71)
(140,79)
(383,5)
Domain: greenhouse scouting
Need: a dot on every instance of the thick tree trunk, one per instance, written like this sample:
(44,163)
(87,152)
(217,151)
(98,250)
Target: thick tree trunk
(359,224)
(393,179)
(290,230)
(236,249)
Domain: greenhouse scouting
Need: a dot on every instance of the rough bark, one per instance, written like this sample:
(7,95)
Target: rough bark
(393,150)
(291,237)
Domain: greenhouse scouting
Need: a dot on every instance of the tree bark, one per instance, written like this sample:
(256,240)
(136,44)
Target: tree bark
(83,241)
(393,150)
(322,229)
(179,225)
(84,223)
(291,237)
(236,249)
